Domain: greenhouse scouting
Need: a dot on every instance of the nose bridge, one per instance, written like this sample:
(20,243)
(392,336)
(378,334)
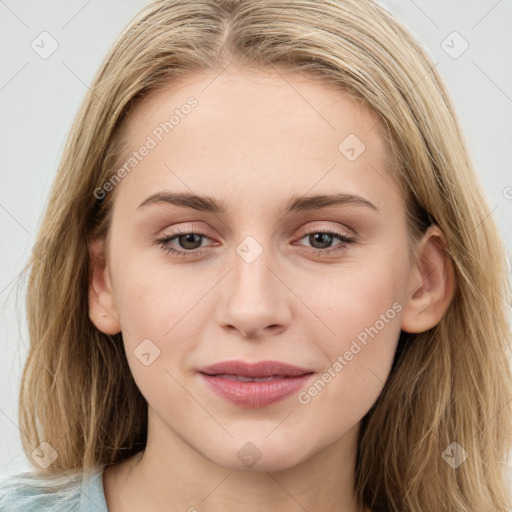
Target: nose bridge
(252,286)
(253,296)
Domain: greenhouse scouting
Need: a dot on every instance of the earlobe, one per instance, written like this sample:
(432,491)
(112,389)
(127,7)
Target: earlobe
(431,284)
(102,308)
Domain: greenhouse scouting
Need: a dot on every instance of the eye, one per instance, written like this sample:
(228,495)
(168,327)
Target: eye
(321,241)
(189,242)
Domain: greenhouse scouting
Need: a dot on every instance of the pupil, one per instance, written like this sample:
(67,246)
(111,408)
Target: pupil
(322,238)
(189,238)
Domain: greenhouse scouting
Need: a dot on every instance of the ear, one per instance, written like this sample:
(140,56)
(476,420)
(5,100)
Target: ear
(102,307)
(431,284)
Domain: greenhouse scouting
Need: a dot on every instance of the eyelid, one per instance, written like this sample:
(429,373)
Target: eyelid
(345,240)
(349,233)
(185,228)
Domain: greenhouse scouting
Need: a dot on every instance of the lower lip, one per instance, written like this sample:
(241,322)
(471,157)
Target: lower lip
(255,394)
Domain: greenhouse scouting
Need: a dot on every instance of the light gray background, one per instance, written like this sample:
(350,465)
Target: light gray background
(40,97)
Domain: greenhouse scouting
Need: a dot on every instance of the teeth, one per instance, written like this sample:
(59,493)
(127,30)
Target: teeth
(241,378)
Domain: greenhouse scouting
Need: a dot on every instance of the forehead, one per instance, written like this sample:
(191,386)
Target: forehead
(251,131)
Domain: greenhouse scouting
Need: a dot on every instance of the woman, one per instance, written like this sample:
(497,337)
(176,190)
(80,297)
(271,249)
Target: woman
(266,278)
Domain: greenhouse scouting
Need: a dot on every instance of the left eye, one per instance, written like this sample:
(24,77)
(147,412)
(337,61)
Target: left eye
(190,242)
(320,238)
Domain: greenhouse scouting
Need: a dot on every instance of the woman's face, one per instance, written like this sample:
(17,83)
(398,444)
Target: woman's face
(272,274)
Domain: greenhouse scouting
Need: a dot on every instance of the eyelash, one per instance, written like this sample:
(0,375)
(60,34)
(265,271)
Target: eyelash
(164,242)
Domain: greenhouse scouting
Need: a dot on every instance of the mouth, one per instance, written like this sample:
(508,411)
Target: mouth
(254,385)
(258,370)
(242,378)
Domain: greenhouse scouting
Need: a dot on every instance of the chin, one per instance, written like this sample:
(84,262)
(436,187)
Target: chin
(260,456)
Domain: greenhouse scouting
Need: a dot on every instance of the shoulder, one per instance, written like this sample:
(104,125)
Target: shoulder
(32,492)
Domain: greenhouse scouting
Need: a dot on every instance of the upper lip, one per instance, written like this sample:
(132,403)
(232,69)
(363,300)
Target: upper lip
(258,369)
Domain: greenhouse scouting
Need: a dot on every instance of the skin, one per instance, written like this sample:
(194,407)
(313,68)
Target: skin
(257,138)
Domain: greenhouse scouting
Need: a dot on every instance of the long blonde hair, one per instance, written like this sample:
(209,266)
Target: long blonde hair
(450,384)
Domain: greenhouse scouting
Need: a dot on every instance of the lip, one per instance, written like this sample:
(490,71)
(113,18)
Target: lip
(259,369)
(285,379)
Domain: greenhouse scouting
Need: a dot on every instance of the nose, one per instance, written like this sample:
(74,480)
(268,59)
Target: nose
(254,300)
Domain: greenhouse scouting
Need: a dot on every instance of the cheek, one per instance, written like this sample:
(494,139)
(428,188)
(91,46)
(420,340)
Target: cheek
(152,296)
(162,313)
(154,316)
(361,305)
(364,316)
(356,296)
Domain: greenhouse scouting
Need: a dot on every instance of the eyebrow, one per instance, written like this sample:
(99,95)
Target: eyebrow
(295,204)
